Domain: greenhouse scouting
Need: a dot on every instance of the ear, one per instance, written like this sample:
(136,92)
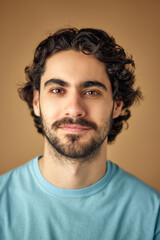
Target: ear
(117,108)
(36,106)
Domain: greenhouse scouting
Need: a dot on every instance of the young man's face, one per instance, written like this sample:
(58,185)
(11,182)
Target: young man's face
(75,103)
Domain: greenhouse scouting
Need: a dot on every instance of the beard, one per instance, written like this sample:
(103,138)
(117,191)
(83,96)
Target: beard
(70,146)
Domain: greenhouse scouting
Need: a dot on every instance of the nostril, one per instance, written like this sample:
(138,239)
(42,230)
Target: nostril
(74,115)
(79,114)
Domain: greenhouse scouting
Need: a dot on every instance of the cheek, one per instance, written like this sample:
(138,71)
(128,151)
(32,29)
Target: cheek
(50,110)
(101,112)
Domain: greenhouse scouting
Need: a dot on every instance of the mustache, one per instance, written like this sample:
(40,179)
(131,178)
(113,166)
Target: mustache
(79,121)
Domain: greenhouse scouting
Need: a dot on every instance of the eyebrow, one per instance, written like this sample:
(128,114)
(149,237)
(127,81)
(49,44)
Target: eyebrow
(56,81)
(93,84)
(86,84)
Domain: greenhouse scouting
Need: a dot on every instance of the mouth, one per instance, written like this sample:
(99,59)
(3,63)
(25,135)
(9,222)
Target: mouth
(73,128)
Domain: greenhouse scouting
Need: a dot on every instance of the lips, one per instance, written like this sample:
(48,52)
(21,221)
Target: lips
(74,128)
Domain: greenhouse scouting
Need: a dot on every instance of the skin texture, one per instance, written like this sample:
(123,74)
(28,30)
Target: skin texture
(76,106)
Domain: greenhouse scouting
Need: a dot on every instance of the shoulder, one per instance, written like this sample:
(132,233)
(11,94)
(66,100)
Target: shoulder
(16,176)
(139,202)
(130,185)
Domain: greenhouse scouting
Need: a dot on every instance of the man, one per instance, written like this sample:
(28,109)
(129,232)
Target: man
(79,89)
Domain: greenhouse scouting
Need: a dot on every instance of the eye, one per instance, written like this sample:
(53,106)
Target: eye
(58,91)
(93,93)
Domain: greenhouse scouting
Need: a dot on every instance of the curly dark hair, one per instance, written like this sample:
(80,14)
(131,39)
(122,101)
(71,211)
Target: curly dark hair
(119,68)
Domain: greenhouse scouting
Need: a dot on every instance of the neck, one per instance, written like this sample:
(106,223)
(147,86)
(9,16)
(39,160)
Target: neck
(72,174)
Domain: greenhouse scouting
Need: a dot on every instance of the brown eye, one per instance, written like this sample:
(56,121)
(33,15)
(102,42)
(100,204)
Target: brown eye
(92,93)
(58,91)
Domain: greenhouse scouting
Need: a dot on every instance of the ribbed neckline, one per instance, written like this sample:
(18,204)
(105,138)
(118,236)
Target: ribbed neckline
(83,192)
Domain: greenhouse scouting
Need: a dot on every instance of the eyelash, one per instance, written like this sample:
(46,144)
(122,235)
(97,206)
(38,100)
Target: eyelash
(94,92)
(63,91)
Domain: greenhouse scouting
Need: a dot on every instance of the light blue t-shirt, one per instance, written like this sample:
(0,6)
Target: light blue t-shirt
(118,207)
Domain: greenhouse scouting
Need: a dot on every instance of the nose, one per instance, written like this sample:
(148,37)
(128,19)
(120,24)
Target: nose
(74,107)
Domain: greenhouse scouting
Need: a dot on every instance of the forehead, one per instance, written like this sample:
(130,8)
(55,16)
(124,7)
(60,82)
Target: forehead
(74,67)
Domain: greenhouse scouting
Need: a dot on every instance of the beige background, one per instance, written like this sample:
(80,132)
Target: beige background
(134,24)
